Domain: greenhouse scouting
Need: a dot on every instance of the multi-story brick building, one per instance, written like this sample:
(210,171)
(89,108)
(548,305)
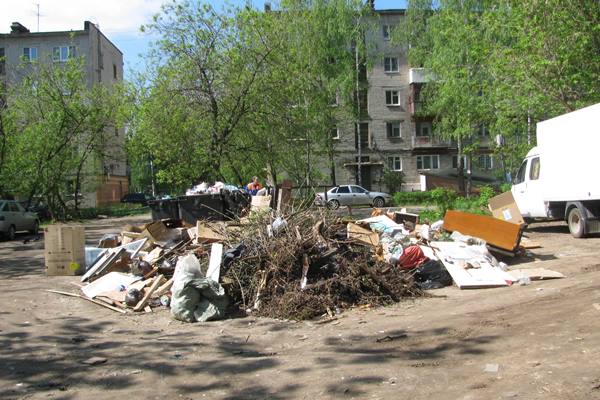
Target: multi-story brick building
(103,65)
(393,136)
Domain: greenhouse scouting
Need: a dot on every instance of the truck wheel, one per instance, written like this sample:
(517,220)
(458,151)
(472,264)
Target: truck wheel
(575,222)
(333,204)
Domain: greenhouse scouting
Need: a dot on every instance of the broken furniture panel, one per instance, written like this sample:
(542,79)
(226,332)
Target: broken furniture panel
(496,232)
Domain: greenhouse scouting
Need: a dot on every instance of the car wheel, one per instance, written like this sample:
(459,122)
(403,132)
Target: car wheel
(378,202)
(575,222)
(36,228)
(333,204)
(11,233)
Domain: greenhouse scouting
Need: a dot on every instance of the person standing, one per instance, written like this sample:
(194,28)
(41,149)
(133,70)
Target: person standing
(254,186)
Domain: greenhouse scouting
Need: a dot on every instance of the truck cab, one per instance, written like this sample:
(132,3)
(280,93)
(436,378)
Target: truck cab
(527,187)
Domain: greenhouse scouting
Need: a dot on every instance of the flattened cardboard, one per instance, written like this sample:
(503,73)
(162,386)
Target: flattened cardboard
(505,208)
(204,234)
(362,234)
(64,250)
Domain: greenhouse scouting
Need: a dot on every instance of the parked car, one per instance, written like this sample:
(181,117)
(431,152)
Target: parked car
(352,195)
(14,218)
(136,198)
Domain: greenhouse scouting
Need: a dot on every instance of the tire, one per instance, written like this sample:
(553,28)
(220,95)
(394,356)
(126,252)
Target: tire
(12,232)
(36,228)
(575,222)
(378,202)
(333,204)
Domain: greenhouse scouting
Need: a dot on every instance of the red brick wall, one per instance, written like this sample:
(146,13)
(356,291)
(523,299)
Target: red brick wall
(111,189)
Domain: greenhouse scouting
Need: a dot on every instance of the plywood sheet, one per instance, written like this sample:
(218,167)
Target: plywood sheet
(496,232)
(535,274)
(456,255)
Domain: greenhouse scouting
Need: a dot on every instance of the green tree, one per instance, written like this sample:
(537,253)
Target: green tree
(57,135)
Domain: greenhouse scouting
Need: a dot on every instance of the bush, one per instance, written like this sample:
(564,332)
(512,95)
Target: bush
(413,198)
(116,210)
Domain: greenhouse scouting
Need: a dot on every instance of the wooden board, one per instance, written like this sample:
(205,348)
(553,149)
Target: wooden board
(456,255)
(214,263)
(496,232)
(535,274)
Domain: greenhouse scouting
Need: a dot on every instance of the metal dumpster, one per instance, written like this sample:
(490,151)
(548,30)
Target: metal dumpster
(164,209)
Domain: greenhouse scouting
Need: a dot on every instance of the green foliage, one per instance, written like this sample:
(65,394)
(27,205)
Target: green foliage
(117,210)
(412,198)
(444,198)
(236,92)
(393,180)
(56,132)
(503,64)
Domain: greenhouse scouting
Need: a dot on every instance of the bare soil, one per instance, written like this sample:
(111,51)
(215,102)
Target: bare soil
(544,339)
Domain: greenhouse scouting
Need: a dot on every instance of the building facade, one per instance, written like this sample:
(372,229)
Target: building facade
(393,136)
(103,65)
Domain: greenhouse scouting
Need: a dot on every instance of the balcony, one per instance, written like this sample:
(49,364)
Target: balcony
(429,141)
(419,75)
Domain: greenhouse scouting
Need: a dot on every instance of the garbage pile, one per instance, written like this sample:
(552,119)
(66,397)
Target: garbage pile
(295,264)
(299,266)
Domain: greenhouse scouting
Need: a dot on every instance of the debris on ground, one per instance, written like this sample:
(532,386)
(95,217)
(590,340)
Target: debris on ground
(294,264)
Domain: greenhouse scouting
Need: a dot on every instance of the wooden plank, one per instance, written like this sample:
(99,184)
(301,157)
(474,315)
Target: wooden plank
(535,274)
(214,264)
(144,300)
(100,303)
(164,288)
(496,232)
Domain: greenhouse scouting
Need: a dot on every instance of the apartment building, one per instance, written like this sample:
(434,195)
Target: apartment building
(103,64)
(393,135)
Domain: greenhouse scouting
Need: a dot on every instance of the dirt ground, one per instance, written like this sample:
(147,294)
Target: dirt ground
(544,339)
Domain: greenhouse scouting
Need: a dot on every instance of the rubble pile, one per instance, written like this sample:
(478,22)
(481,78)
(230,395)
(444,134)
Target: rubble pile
(305,265)
(290,264)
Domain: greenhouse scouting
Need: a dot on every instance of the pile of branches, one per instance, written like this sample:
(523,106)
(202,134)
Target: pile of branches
(312,247)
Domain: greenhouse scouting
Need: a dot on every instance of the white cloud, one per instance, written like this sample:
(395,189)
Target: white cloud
(122,17)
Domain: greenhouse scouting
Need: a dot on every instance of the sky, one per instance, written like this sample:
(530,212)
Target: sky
(119,20)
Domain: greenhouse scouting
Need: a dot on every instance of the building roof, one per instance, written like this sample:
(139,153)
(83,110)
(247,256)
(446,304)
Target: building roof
(27,34)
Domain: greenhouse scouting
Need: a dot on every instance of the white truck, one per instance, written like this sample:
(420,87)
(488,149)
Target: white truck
(557,179)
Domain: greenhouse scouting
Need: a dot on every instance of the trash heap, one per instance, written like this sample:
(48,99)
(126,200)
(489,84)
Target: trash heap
(296,264)
(299,266)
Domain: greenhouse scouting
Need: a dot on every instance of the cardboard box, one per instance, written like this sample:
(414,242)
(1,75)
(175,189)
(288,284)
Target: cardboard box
(504,207)
(64,249)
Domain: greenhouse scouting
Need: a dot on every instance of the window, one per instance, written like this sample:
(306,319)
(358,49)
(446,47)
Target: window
(364,159)
(386,30)
(521,174)
(423,129)
(485,161)
(114,71)
(13,207)
(2,62)
(482,131)
(343,189)
(30,54)
(392,97)
(333,191)
(357,189)
(63,53)
(390,64)
(395,163)
(428,162)
(455,161)
(534,170)
(393,129)
(335,133)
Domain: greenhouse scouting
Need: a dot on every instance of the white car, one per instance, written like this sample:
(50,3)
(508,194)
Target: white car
(13,218)
(352,195)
